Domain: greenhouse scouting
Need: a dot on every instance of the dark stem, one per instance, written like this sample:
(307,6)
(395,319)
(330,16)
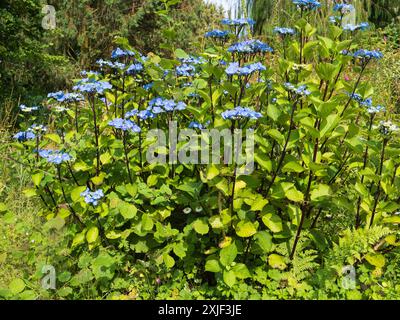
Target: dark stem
(65,197)
(126,157)
(378,192)
(278,168)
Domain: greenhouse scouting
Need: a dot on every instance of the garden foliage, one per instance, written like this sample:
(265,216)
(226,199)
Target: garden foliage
(323,194)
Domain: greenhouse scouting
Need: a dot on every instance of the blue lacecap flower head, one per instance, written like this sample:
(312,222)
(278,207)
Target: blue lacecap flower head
(124,125)
(92,197)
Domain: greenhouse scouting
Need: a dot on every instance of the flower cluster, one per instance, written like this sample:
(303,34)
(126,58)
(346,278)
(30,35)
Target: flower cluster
(61,96)
(284,31)
(365,55)
(235,69)
(26,109)
(193,60)
(111,64)
(92,197)
(198,125)
(135,68)
(185,70)
(307,4)
(387,127)
(24,136)
(300,91)
(250,47)
(160,105)
(218,34)
(240,113)
(343,8)
(238,22)
(352,28)
(37,128)
(90,85)
(124,125)
(120,53)
(55,156)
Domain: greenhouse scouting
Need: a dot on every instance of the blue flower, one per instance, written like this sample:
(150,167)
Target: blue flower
(307,4)
(37,128)
(240,113)
(112,65)
(285,31)
(61,96)
(148,86)
(234,69)
(160,105)
(24,136)
(368,54)
(124,125)
(238,22)
(26,109)
(197,125)
(92,197)
(343,8)
(193,60)
(90,85)
(135,68)
(185,70)
(250,47)
(55,156)
(376,109)
(217,34)
(119,53)
(387,127)
(300,91)
(352,28)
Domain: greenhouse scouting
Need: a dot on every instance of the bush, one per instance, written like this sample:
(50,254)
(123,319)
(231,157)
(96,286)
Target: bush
(321,197)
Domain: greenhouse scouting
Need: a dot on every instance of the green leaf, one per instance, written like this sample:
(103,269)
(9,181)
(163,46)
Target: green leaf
(276,135)
(37,178)
(53,137)
(180,54)
(212,265)
(264,240)
(228,254)
(16,286)
(92,234)
(168,260)
(201,226)
(273,222)
(229,278)
(245,229)
(294,195)
(377,260)
(76,194)
(273,112)
(276,261)
(212,172)
(292,167)
(321,192)
(78,239)
(127,210)
(241,271)
(132,189)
